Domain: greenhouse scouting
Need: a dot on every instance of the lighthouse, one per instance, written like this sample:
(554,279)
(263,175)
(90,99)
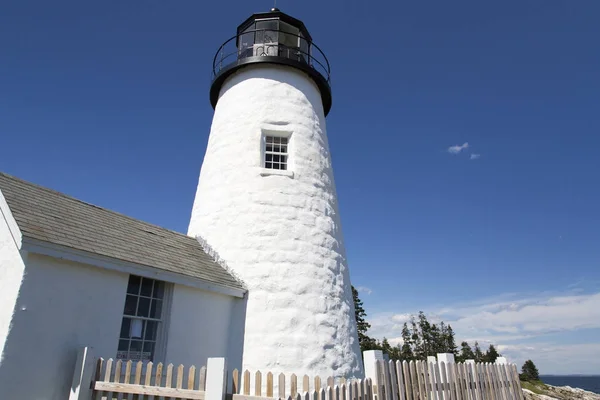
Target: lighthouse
(266,200)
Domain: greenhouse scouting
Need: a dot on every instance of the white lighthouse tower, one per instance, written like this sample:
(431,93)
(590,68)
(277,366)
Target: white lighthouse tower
(266,200)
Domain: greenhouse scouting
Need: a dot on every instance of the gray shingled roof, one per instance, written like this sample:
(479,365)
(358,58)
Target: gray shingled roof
(50,216)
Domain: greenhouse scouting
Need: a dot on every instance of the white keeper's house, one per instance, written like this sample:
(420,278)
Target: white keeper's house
(261,276)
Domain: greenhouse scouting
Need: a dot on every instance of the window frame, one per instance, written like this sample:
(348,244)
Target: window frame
(160,342)
(289,171)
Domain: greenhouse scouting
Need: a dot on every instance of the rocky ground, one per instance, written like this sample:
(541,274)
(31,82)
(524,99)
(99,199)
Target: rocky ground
(541,391)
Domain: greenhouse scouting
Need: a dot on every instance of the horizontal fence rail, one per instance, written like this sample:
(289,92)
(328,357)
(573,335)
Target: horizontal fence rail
(113,379)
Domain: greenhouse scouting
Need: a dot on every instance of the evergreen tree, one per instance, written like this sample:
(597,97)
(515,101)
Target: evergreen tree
(440,340)
(436,340)
(386,347)
(450,343)
(465,352)
(425,335)
(529,372)
(396,353)
(491,354)
(478,353)
(416,339)
(406,352)
(366,343)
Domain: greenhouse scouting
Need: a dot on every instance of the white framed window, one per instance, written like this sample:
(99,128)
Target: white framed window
(143,319)
(276,152)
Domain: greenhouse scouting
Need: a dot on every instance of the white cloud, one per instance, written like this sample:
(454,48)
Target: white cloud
(363,289)
(475,156)
(551,358)
(458,148)
(515,322)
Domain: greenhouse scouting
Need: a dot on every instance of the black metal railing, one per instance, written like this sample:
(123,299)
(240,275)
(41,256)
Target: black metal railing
(262,44)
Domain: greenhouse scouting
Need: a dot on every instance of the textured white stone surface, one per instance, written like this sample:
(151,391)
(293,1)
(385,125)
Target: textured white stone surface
(280,234)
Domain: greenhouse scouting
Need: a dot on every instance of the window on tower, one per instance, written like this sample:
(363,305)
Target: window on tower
(142,319)
(276,152)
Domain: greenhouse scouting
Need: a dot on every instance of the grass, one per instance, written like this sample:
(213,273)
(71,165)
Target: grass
(536,387)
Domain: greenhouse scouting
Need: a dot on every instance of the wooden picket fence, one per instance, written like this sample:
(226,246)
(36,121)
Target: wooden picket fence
(112,380)
(415,380)
(310,389)
(419,380)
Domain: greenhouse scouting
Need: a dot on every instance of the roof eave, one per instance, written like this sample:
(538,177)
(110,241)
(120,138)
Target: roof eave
(9,219)
(68,253)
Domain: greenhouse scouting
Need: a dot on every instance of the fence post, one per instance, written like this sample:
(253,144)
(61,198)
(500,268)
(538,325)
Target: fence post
(216,379)
(369,359)
(82,376)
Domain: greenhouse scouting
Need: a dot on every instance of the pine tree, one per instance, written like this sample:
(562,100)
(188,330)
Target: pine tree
(491,354)
(529,372)
(416,339)
(465,352)
(436,340)
(406,352)
(478,354)
(386,347)
(426,336)
(450,343)
(366,343)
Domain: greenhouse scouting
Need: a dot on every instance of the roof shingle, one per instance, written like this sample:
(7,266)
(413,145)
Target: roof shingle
(54,217)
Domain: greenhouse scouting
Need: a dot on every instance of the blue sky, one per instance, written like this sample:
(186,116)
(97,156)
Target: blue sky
(108,102)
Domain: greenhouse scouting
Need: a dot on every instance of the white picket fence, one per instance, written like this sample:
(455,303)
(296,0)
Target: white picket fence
(108,379)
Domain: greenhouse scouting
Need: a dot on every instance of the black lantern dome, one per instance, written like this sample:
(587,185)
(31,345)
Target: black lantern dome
(276,38)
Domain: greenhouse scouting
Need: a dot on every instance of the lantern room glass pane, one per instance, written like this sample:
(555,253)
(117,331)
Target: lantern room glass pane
(246,42)
(267,31)
(288,35)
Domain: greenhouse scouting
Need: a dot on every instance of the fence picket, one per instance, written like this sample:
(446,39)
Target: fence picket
(318,388)
(419,378)
(426,380)
(321,394)
(451,371)
(444,376)
(349,392)
(368,389)
(477,384)
(506,383)
(515,373)
(407,383)
(98,376)
(258,383)
(235,381)
(202,380)
(497,388)
(305,383)
(191,378)
(399,380)
(269,384)
(282,386)
(360,390)
(294,386)
(107,377)
(246,382)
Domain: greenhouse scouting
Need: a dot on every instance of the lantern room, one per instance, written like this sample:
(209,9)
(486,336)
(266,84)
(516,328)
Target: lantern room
(272,38)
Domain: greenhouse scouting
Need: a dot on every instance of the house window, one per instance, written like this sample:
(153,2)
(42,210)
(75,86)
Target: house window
(276,152)
(142,318)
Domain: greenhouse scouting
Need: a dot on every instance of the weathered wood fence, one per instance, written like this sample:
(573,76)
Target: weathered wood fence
(108,379)
(420,380)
